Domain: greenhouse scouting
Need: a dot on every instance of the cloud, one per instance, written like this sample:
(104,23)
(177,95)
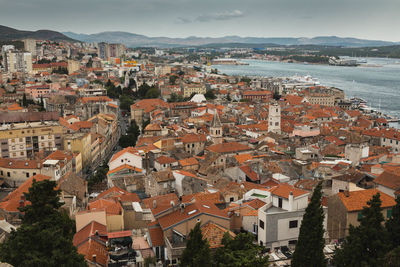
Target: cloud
(227,15)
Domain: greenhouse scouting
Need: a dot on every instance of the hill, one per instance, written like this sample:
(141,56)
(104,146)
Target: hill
(138,40)
(9,34)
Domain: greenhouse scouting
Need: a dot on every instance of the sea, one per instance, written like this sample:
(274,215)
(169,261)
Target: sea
(377,81)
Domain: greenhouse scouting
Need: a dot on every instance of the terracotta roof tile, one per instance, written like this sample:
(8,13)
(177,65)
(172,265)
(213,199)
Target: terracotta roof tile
(162,203)
(11,202)
(214,234)
(156,236)
(284,189)
(88,231)
(190,211)
(93,247)
(188,162)
(357,200)
(389,179)
(230,147)
(128,149)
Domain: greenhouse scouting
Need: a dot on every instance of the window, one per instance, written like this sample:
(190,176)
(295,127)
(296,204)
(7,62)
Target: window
(389,213)
(27,175)
(359,217)
(8,174)
(292,242)
(261,224)
(231,199)
(293,224)
(280,202)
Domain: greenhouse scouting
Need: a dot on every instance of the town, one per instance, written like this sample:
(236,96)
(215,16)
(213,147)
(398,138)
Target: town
(146,146)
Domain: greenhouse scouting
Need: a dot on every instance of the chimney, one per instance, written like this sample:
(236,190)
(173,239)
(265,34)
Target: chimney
(346,193)
(182,208)
(290,201)
(154,204)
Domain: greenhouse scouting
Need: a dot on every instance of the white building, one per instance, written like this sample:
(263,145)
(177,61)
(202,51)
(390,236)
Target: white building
(30,46)
(15,61)
(280,219)
(128,156)
(274,118)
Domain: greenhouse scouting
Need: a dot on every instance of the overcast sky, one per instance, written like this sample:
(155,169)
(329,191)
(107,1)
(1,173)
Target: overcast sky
(369,19)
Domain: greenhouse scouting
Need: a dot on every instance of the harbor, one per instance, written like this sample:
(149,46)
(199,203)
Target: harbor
(378,87)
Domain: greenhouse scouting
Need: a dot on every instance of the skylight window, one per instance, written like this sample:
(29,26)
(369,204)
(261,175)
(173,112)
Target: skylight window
(191,212)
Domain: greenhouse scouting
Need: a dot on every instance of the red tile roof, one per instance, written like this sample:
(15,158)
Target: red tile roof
(128,149)
(190,211)
(11,202)
(94,247)
(123,167)
(230,147)
(252,175)
(389,179)
(118,193)
(111,207)
(156,236)
(357,200)
(162,203)
(284,189)
(214,234)
(193,138)
(165,160)
(88,231)
(188,162)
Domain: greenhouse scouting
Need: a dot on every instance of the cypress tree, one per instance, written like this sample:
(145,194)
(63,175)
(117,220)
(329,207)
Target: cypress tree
(368,243)
(310,245)
(393,225)
(45,236)
(24,101)
(197,251)
(239,252)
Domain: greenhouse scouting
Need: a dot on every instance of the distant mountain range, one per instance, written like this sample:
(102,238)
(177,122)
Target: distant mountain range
(9,34)
(135,40)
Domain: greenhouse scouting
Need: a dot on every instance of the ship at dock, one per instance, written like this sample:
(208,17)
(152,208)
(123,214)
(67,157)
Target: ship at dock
(227,61)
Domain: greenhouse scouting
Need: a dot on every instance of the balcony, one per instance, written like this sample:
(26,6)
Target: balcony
(175,247)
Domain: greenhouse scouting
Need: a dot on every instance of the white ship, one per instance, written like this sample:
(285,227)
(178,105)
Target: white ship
(306,79)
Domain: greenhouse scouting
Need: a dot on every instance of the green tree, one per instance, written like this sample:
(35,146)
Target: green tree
(368,243)
(197,251)
(24,101)
(152,93)
(392,258)
(210,94)
(172,79)
(246,80)
(142,90)
(45,236)
(393,225)
(125,102)
(310,245)
(131,136)
(176,98)
(239,252)
(99,176)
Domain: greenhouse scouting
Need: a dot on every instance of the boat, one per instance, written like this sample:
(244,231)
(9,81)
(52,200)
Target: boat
(306,79)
